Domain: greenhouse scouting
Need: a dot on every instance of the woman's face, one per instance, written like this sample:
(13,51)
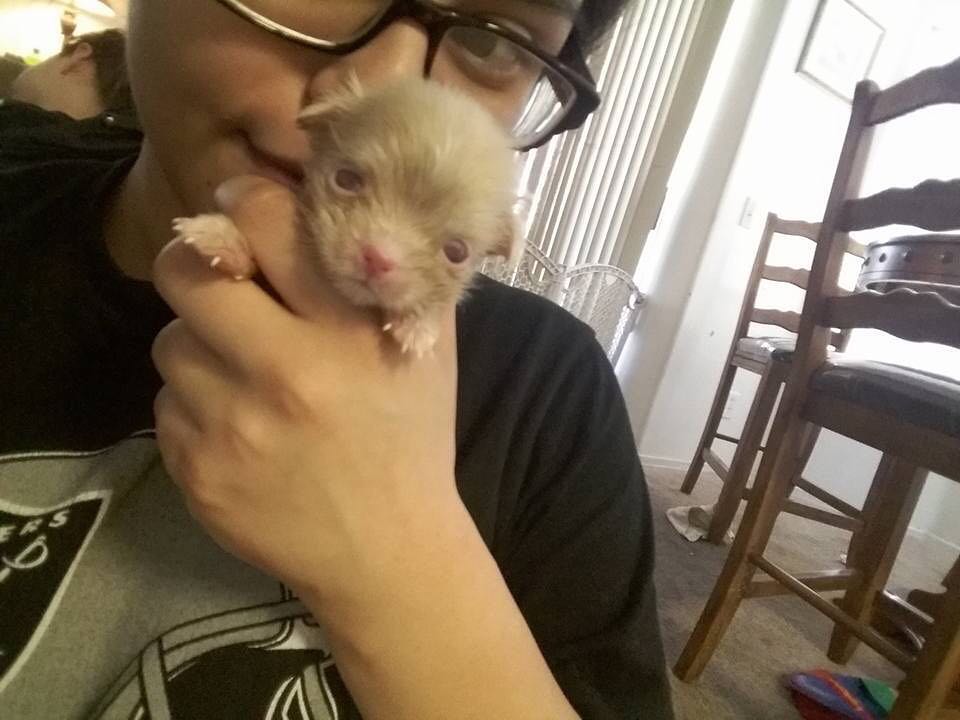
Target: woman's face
(218,96)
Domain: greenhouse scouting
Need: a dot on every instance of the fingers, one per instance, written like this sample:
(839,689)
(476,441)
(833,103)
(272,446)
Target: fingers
(194,375)
(266,213)
(447,340)
(244,325)
(238,320)
(241,322)
(232,318)
(175,428)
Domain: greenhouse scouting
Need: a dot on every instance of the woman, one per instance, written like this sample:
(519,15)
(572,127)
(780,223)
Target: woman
(462,536)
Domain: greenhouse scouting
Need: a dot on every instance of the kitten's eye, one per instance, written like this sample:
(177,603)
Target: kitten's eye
(456,251)
(348,181)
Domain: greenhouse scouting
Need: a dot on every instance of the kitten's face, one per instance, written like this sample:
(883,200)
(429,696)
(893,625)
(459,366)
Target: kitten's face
(406,197)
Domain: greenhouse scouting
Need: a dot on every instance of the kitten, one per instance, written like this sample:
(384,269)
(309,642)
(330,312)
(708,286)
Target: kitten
(409,187)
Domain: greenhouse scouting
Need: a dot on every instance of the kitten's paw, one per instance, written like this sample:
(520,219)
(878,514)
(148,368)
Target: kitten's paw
(218,241)
(414,334)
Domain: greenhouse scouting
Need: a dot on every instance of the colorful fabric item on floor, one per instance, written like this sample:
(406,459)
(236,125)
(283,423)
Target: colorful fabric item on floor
(882,694)
(839,696)
(811,709)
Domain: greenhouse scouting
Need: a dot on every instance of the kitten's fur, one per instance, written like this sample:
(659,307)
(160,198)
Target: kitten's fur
(434,167)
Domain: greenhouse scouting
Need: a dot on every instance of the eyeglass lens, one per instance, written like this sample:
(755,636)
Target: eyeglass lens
(525,94)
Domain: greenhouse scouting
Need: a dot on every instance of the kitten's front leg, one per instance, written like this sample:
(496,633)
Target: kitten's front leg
(216,239)
(414,332)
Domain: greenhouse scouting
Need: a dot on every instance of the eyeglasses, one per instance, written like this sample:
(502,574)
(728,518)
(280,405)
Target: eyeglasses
(534,94)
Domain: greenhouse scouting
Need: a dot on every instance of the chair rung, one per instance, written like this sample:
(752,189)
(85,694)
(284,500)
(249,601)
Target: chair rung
(822,516)
(727,438)
(715,463)
(864,632)
(827,581)
(816,514)
(902,612)
(825,497)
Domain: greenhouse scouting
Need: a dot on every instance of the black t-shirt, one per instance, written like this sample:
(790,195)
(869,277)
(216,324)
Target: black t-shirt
(115,602)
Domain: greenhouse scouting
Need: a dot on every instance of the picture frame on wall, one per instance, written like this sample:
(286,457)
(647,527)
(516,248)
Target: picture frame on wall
(841,46)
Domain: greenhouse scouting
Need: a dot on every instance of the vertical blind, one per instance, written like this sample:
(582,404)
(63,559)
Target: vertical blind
(583,187)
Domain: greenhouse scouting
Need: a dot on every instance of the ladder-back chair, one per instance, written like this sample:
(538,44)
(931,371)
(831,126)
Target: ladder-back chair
(911,416)
(770,358)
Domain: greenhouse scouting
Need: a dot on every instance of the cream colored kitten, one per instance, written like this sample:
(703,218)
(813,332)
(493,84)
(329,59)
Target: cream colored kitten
(409,188)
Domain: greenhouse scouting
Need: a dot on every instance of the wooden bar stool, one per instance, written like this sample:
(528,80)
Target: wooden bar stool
(770,358)
(913,417)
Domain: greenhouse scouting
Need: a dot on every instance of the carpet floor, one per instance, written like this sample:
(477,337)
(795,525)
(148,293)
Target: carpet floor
(769,637)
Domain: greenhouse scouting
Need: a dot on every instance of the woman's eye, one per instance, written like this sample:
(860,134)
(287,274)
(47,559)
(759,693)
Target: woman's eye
(456,251)
(484,55)
(348,181)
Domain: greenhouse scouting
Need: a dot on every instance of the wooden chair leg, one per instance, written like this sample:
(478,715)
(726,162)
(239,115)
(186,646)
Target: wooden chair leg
(929,681)
(751,437)
(773,484)
(710,429)
(887,511)
(952,580)
(808,446)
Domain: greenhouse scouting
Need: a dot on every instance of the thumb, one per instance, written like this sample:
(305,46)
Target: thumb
(267,214)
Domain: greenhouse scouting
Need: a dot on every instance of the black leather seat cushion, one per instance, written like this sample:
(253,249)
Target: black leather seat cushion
(922,398)
(763,349)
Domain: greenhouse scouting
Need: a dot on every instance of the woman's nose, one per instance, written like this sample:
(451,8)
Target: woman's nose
(399,50)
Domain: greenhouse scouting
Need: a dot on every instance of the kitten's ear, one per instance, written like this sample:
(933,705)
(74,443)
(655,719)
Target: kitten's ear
(338,101)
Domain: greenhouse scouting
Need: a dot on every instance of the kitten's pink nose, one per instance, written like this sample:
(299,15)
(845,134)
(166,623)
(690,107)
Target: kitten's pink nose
(375,263)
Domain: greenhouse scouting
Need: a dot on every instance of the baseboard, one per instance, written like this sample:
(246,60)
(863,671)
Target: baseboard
(919,532)
(664,463)
(653,461)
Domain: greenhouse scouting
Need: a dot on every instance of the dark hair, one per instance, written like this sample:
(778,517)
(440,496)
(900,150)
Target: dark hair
(109,58)
(596,17)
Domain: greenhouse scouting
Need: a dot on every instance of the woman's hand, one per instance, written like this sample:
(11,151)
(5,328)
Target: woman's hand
(308,447)
(301,439)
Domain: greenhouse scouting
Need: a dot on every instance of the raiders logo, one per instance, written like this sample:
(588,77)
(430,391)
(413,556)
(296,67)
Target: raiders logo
(38,551)
(266,662)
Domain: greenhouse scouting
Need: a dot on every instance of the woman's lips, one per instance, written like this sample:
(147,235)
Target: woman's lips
(276,169)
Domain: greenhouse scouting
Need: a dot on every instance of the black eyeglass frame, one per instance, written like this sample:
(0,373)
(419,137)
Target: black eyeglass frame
(570,63)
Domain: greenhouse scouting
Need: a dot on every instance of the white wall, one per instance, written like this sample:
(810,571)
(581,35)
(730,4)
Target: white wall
(26,25)
(785,163)
(673,251)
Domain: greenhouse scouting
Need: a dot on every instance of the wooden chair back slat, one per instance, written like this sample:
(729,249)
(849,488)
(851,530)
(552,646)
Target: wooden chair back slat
(794,276)
(781,318)
(905,313)
(932,205)
(789,321)
(797,227)
(930,87)
(753,284)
